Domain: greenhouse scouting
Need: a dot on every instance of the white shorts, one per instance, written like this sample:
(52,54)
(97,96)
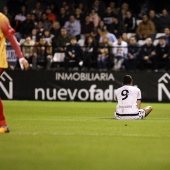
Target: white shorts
(140,115)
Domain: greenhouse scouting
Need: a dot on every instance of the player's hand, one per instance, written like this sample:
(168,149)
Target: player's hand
(24,64)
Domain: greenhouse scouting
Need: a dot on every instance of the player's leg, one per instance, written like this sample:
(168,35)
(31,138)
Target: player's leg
(147,109)
(1,71)
(3,124)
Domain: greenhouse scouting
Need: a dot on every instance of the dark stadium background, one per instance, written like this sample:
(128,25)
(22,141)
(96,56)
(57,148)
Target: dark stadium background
(135,5)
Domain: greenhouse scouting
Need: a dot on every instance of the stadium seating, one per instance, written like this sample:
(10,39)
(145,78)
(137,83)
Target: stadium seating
(130,35)
(159,35)
(58,57)
(141,42)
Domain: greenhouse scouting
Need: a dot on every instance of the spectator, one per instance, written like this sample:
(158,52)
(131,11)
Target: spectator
(143,8)
(42,54)
(147,55)
(164,20)
(99,7)
(133,52)
(47,35)
(94,33)
(167,35)
(54,7)
(162,55)
(122,11)
(46,23)
(79,15)
(155,20)
(17,22)
(34,36)
(130,22)
(107,18)
(94,17)
(37,10)
(73,53)
(21,15)
(55,30)
(50,16)
(40,28)
(145,29)
(113,8)
(125,37)
(89,53)
(67,8)
(33,18)
(104,33)
(63,17)
(73,27)
(17,25)
(64,3)
(104,51)
(23,10)
(101,25)
(60,43)
(27,26)
(117,27)
(6,13)
(120,51)
(82,7)
(87,27)
(28,49)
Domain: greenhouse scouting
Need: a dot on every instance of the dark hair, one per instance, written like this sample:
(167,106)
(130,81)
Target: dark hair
(73,38)
(72,14)
(63,28)
(145,14)
(86,41)
(127,79)
(119,36)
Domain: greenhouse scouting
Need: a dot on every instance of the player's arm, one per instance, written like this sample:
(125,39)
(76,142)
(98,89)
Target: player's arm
(139,98)
(138,103)
(9,33)
(115,96)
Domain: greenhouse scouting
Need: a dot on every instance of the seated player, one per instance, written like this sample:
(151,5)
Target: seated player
(129,101)
(6,31)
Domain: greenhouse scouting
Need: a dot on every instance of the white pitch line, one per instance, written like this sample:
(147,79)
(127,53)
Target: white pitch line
(90,134)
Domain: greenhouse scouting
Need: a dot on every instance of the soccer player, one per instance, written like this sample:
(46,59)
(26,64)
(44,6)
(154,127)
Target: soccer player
(6,31)
(129,101)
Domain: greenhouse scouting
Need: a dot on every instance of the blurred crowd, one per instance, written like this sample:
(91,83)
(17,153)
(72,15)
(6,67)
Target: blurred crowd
(100,36)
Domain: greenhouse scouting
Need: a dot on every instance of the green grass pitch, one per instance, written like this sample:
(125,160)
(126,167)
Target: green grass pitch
(83,136)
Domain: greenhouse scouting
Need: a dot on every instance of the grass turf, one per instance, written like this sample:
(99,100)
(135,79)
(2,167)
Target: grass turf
(74,136)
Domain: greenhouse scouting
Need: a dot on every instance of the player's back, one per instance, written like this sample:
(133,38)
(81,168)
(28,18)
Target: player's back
(127,97)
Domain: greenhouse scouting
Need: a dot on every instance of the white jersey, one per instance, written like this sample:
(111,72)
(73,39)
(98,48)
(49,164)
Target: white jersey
(127,97)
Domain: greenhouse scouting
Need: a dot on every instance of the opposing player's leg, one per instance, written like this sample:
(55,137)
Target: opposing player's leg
(147,109)
(1,71)
(3,124)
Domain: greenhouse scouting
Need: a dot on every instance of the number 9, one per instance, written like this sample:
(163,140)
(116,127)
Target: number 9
(125,94)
